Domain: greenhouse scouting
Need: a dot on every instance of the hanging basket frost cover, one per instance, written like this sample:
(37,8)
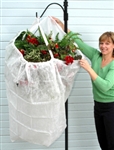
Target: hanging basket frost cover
(37,90)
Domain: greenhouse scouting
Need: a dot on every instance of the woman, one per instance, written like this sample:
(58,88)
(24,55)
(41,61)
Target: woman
(101,72)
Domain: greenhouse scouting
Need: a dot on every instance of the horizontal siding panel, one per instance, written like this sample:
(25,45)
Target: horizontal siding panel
(88,20)
(75,12)
(81,91)
(3,94)
(4,109)
(4,132)
(4,124)
(79,121)
(2,68)
(2,61)
(4,117)
(91,21)
(101,4)
(80,107)
(80,114)
(82,77)
(91,29)
(81,136)
(79,84)
(3,85)
(86,148)
(80,99)
(83,143)
(82,129)
(3,101)
(1,77)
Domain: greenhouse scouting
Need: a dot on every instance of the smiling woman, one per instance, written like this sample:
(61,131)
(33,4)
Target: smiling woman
(103,84)
(106,45)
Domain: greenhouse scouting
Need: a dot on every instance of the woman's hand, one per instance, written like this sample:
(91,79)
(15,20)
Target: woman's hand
(84,64)
(60,23)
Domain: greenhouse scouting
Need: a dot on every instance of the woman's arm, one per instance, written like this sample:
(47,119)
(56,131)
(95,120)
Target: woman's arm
(87,50)
(107,83)
(102,84)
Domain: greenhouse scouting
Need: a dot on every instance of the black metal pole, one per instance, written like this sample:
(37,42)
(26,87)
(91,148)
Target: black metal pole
(65,29)
(66,104)
(65,15)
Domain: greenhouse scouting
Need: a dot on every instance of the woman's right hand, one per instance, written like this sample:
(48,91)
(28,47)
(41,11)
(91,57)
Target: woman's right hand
(60,23)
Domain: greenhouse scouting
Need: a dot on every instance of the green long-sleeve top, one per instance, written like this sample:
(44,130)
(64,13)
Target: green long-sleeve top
(103,85)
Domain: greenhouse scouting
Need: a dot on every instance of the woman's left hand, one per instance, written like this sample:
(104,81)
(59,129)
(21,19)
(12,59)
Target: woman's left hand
(84,64)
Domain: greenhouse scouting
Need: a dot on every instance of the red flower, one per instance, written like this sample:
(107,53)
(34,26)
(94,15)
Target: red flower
(68,60)
(43,52)
(56,45)
(56,55)
(32,40)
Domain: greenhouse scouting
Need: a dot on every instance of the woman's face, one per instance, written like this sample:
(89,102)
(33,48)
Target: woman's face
(106,47)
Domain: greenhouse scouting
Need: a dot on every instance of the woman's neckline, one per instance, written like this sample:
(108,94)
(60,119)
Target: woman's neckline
(104,64)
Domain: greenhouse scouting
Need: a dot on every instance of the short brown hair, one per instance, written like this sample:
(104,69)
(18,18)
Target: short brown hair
(107,36)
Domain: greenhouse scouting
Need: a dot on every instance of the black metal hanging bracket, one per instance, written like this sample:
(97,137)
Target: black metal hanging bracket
(50,5)
(64,11)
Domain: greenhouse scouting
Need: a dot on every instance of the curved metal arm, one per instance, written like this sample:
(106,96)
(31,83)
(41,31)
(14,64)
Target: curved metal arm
(64,10)
(49,5)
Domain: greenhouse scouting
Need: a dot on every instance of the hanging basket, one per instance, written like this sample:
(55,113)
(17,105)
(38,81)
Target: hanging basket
(37,91)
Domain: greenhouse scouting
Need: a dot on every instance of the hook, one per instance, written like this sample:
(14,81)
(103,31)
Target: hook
(36,15)
(49,5)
